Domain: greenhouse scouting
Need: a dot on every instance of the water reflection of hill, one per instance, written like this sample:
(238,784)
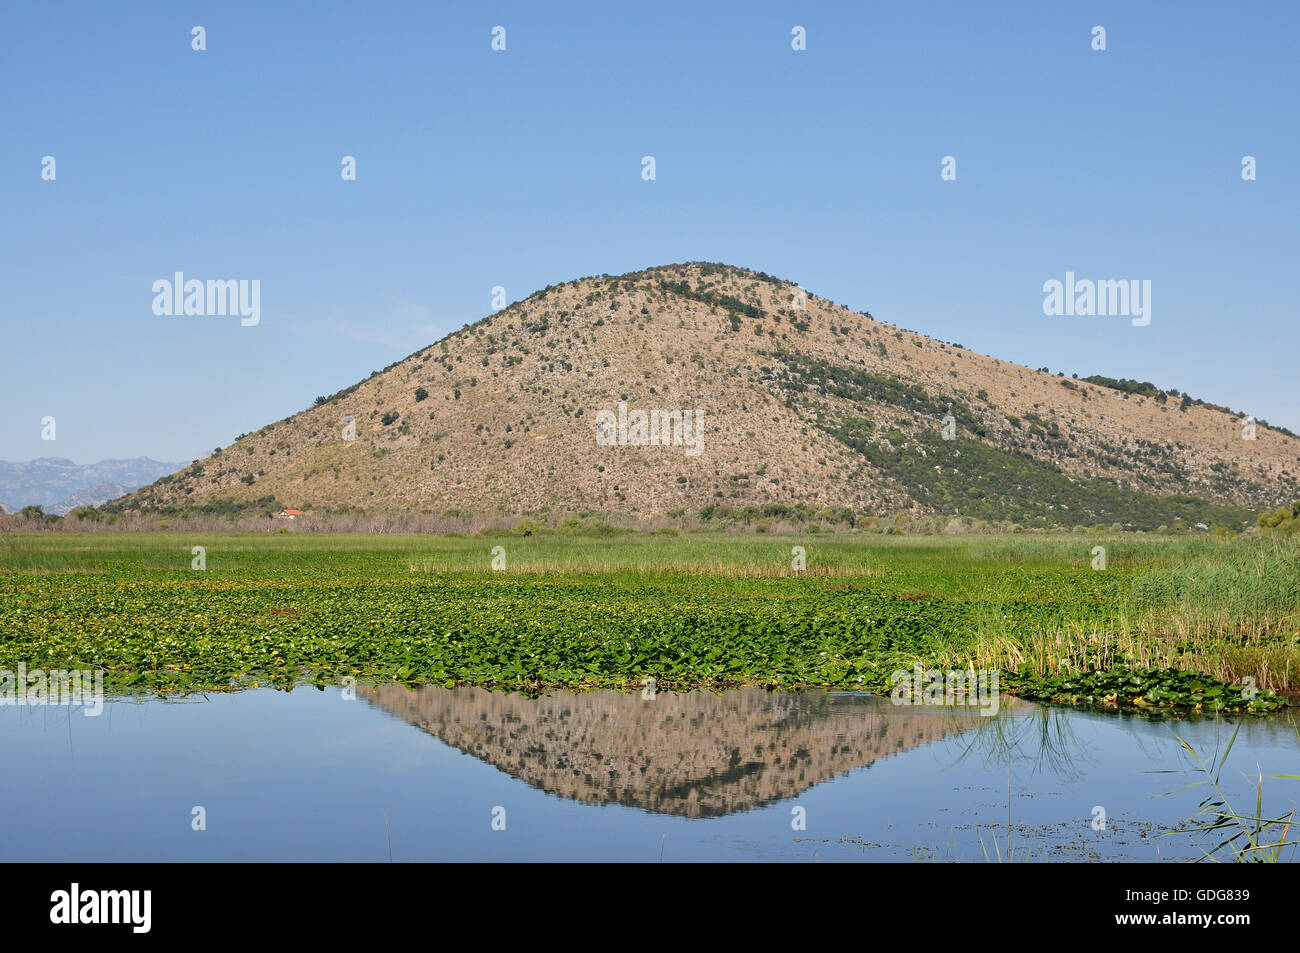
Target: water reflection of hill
(696,755)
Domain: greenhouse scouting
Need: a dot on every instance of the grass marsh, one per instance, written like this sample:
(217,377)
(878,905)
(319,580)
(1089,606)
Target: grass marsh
(284,608)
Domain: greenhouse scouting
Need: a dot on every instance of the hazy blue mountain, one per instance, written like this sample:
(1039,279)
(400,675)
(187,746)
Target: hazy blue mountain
(59,484)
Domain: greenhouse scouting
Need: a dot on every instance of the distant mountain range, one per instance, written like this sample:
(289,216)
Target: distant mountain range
(59,485)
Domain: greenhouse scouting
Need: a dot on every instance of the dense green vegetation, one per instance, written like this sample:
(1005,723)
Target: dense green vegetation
(232,509)
(967,476)
(986,482)
(858,385)
(1127,386)
(734,307)
(1147,389)
(285,609)
(1284,521)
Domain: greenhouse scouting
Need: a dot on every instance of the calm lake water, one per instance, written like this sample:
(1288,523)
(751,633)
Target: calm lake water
(312,775)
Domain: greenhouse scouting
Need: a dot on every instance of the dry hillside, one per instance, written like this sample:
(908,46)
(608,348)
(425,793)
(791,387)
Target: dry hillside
(803,401)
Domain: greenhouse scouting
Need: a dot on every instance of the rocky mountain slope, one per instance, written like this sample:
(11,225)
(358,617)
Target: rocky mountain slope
(534,410)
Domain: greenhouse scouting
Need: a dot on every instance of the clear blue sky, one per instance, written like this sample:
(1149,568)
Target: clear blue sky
(478,168)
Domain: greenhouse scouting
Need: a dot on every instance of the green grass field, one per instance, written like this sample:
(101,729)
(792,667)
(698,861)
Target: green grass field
(292,608)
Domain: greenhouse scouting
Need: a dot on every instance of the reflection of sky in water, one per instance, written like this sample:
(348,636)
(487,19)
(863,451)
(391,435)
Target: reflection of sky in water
(309,776)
